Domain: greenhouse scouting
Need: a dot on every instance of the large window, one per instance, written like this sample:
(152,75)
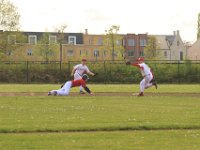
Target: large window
(72,40)
(130,52)
(131,42)
(32,39)
(143,42)
(70,52)
(141,53)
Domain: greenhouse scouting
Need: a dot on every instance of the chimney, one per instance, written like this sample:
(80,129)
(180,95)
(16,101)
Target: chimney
(177,32)
(174,33)
(86,31)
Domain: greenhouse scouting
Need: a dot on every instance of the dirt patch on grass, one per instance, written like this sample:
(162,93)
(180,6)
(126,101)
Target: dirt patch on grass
(101,94)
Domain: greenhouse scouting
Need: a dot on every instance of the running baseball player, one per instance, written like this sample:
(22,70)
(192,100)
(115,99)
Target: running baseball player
(78,72)
(65,89)
(148,77)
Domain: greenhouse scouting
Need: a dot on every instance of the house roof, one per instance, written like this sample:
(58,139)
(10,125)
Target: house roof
(164,41)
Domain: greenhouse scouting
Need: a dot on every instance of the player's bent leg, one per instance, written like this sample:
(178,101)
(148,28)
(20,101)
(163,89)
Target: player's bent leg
(81,90)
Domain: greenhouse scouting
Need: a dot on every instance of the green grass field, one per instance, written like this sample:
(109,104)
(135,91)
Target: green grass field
(100,122)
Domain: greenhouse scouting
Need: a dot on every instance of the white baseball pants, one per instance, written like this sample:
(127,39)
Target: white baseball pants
(64,91)
(145,83)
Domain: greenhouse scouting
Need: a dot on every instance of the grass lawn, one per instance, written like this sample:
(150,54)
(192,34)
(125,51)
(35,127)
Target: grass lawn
(118,140)
(101,122)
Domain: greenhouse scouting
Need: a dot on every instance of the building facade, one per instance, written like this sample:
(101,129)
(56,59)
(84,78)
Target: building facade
(53,46)
(171,47)
(193,51)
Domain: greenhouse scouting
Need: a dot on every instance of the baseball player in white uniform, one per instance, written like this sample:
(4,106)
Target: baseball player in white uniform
(148,78)
(79,70)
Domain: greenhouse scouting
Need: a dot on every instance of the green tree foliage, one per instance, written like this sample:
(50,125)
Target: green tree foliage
(9,21)
(10,41)
(113,42)
(151,50)
(46,48)
(9,16)
(61,37)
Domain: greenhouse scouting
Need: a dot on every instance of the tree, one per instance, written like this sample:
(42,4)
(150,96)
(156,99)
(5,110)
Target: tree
(198,27)
(113,41)
(61,37)
(9,16)
(151,50)
(9,21)
(45,47)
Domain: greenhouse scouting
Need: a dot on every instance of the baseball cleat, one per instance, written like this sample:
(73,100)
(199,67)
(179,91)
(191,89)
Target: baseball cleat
(81,92)
(49,93)
(52,93)
(141,94)
(153,81)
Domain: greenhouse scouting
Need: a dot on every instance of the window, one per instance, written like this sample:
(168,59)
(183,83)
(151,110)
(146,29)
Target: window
(118,42)
(181,55)
(178,43)
(11,39)
(72,40)
(104,53)
(32,39)
(100,41)
(165,54)
(96,53)
(131,42)
(70,52)
(142,42)
(86,52)
(141,53)
(29,52)
(52,39)
(8,53)
(130,52)
(81,52)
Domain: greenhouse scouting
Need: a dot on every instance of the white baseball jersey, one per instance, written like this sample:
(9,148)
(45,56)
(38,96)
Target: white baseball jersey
(80,70)
(145,70)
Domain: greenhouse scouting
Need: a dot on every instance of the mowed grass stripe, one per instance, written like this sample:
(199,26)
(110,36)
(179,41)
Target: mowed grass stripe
(70,114)
(126,140)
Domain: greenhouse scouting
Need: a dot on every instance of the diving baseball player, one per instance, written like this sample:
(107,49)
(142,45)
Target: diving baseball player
(65,89)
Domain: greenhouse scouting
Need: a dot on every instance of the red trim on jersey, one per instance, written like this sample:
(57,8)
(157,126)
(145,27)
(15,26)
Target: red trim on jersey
(137,65)
(78,83)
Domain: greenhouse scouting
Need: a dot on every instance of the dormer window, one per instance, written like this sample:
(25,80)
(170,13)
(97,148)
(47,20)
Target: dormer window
(32,39)
(52,39)
(72,40)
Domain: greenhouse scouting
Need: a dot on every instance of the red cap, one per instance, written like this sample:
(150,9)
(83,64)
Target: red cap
(140,59)
(84,59)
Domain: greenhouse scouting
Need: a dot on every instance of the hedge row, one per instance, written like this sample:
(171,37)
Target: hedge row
(108,72)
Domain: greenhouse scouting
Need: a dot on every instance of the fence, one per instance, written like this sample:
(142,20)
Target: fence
(109,71)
